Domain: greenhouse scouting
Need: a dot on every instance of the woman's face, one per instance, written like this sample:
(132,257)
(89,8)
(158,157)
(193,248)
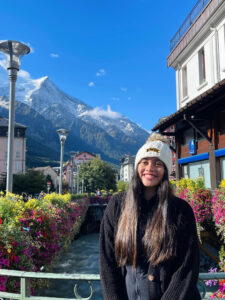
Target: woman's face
(151,171)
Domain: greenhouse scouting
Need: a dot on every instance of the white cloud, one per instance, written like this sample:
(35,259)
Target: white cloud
(3,63)
(115,98)
(129,98)
(24,74)
(31,49)
(54,55)
(100,112)
(3,60)
(101,72)
(123,89)
(91,84)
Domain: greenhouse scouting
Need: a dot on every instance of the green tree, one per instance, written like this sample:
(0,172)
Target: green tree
(97,174)
(31,183)
(122,186)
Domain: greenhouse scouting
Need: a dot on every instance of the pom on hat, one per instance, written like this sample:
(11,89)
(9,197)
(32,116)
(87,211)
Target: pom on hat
(156,146)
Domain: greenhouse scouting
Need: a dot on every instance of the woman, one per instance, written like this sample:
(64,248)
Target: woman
(148,240)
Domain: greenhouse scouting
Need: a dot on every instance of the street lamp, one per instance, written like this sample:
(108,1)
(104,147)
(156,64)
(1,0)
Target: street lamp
(15,51)
(62,136)
(78,167)
(82,186)
(72,153)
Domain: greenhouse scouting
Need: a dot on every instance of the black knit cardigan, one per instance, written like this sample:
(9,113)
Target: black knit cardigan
(178,276)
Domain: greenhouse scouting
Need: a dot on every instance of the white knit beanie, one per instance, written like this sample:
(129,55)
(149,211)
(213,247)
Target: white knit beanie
(155,148)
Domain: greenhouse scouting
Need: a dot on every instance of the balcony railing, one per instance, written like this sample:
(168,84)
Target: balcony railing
(89,278)
(193,15)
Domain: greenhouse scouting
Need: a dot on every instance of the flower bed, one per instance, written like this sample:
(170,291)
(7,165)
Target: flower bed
(34,233)
(99,199)
(209,211)
(93,198)
(197,196)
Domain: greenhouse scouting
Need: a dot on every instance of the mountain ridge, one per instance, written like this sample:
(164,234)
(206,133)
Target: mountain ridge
(44,108)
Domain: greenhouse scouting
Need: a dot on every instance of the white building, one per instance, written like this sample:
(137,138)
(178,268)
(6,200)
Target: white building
(127,168)
(48,170)
(19,148)
(198,57)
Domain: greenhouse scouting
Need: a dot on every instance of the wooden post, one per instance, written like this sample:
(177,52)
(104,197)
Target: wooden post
(213,162)
(178,171)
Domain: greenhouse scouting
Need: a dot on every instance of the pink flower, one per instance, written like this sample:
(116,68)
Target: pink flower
(6,262)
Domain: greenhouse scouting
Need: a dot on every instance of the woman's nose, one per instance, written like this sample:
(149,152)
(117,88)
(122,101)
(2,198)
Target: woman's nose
(150,165)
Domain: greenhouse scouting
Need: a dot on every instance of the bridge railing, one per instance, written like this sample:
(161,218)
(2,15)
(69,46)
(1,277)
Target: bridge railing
(25,278)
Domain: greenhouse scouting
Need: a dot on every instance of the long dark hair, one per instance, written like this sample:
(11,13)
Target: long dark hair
(160,235)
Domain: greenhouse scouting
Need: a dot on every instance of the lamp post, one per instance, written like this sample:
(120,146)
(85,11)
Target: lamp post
(15,51)
(82,186)
(72,153)
(62,136)
(78,167)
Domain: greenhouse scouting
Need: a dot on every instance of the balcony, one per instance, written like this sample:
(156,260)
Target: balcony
(193,24)
(193,15)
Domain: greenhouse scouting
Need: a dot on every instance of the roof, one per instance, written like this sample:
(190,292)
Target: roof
(46,168)
(42,168)
(206,99)
(127,159)
(93,154)
(4,123)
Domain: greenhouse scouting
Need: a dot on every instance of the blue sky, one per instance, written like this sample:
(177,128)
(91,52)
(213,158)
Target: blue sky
(103,52)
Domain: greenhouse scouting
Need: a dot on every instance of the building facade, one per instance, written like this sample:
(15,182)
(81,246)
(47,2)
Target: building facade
(19,148)
(76,160)
(198,58)
(48,170)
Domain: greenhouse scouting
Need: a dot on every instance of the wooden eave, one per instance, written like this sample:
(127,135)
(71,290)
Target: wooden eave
(207,99)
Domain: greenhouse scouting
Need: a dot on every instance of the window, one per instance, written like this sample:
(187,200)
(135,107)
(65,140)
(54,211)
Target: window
(187,136)
(18,133)
(17,154)
(184,82)
(18,166)
(201,66)
(200,168)
(222,162)
(185,171)
(18,143)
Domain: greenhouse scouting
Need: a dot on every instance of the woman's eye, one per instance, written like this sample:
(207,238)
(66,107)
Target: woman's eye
(159,164)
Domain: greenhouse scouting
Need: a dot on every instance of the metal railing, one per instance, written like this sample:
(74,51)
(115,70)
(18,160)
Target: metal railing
(25,284)
(89,278)
(193,15)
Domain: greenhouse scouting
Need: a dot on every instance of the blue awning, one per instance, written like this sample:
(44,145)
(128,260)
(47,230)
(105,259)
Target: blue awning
(220,152)
(193,158)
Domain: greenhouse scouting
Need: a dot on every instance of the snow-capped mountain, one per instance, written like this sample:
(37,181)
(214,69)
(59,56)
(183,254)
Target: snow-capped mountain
(40,103)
